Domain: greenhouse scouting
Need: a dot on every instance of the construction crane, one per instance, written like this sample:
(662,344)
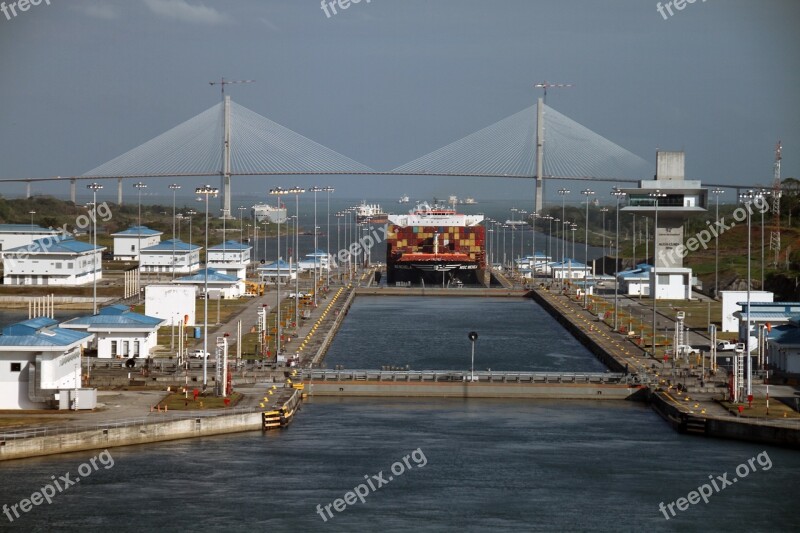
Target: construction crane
(544,85)
(223,82)
(775,235)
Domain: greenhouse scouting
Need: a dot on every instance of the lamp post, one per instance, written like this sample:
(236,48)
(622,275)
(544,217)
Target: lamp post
(328,190)
(534,216)
(551,219)
(655,196)
(242,209)
(297,191)
(31,213)
(604,210)
(472,336)
(315,190)
(522,214)
(190,213)
(573,228)
(747,198)
(563,192)
(618,194)
(205,191)
(760,198)
(587,193)
(716,192)
(277,191)
(94,187)
(174,188)
(513,227)
(339,215)
(139,186)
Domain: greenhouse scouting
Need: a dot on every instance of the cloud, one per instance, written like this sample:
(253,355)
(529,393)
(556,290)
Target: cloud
(98,11)
(186,12)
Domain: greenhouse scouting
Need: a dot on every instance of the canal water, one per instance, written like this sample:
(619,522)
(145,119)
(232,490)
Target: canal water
(433,465)
(427,333)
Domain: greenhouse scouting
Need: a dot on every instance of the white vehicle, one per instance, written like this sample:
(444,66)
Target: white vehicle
(726,346)
(685,349)
(198,354)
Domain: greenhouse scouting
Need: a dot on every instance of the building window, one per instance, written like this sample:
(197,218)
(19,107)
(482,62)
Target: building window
(58,265)
(133,247)
(16,367)
(663,279)
(70,265)
(136,349)
(113,348)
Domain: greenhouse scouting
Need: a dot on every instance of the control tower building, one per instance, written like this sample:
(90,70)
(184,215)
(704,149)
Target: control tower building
(669,199)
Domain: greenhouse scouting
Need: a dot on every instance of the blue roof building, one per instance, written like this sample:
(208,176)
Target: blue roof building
(38,360)
(219,285)
(127,243)
(119,332)
(169,255)
(53,260)
(230,257)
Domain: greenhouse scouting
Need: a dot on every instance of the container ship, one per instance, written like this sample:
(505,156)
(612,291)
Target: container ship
(370,214)
(436,246)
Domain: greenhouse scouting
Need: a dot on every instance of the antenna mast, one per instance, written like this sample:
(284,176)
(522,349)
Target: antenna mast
(775,235)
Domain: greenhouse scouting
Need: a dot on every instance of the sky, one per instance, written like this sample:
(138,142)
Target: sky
(387,81)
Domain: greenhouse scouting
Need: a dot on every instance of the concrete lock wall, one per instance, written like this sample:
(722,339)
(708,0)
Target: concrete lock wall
(129,435)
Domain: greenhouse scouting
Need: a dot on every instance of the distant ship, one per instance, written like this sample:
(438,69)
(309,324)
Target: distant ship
(370,214)
(403,200)
(269,213)
(435,246)
(469,201)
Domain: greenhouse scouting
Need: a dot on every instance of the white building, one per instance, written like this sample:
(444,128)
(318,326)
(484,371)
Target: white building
(230,258)
(53,261)
(731,303)
(126,243)
(538,261)
(16,235)
(219,285)
(317,259)
(172,303)
(636,281)
(161,257)
(280,268)
(783,348)
(119,332)
(569,269)
(40,364)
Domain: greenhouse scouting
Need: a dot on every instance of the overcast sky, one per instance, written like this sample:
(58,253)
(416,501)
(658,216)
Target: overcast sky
(385,82)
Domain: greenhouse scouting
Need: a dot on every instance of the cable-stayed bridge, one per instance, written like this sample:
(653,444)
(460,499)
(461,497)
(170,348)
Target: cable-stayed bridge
(230,140)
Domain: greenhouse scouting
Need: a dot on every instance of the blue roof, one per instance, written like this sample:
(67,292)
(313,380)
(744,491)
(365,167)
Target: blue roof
(230,245)
(56,245)
(641,271)
(167,246)
(39,332)
(283,265)
(115,315)
(568,263)
(25,228)
(137,231)
(213,276)
(785,335)
(317,253)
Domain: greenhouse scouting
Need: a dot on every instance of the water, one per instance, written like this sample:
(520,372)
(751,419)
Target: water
(489,465)
(431,334)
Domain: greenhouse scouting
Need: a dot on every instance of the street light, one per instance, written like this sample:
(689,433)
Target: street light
(563,192)
(587,193)
(513,227)
(747,198)
(716,192)
(278,191)
(472,336)
(618,194)
(761,195)
(315,190)
(242,209)
(205,191)
(31,213)
(297,191)
(139,186)
(655,196)
(604,210)
(190,213)
(329,190)
(338,216)
(94,187)
(174,188)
